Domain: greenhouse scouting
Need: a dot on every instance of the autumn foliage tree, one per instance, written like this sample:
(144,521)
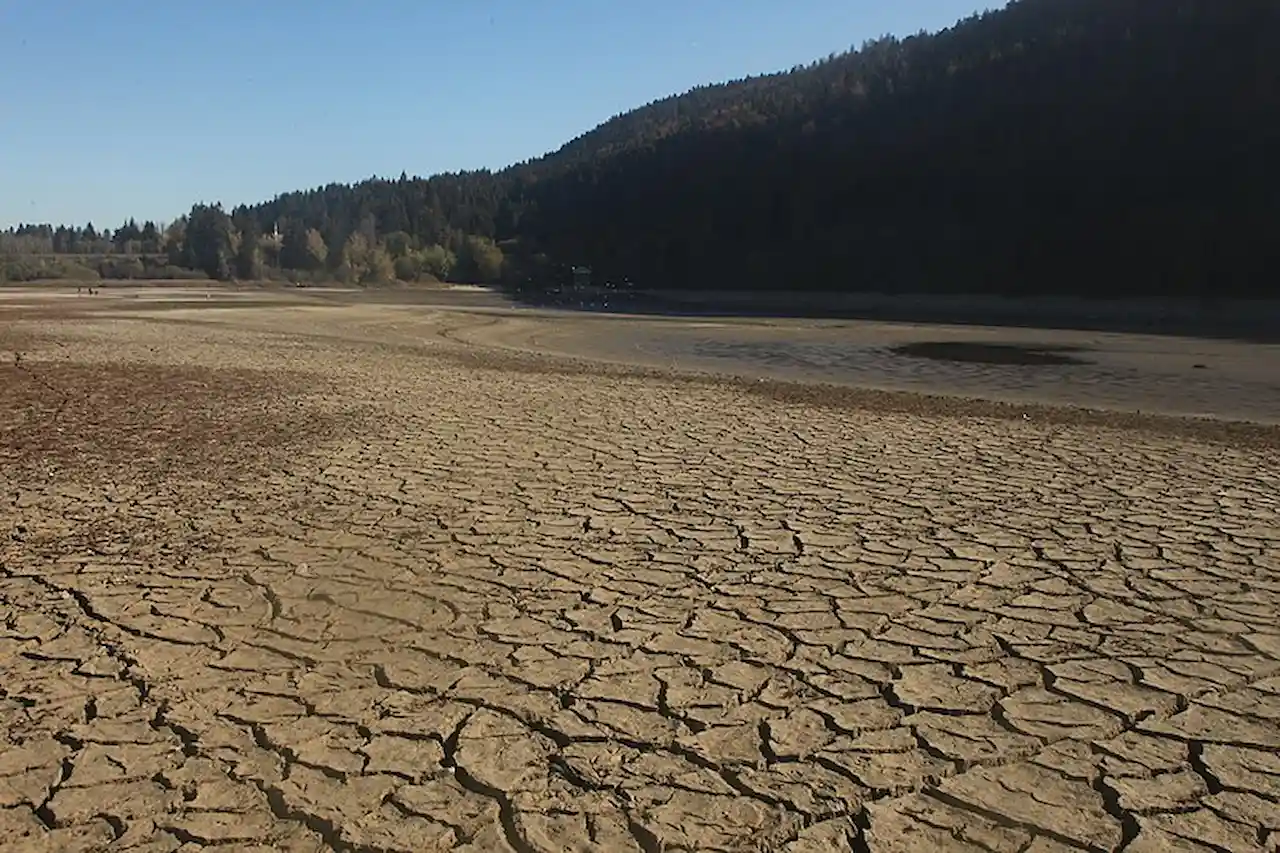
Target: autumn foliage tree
(364,261)
(302,248)
(479,260)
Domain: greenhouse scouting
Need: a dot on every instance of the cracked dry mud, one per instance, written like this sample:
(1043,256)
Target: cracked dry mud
(290,582)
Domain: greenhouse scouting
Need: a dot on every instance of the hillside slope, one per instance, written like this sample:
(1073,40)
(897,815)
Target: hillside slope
(1080,146)
(1088,147)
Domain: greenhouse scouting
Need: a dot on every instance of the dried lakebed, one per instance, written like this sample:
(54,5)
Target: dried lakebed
(325,578)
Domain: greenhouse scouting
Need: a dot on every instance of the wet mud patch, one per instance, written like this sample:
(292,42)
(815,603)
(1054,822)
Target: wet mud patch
(970,352)
(783,355)
(145,422)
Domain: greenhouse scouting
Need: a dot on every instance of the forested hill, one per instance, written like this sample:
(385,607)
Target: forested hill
(1066,146)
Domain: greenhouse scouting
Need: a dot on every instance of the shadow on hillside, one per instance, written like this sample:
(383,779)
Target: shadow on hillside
(1242,321)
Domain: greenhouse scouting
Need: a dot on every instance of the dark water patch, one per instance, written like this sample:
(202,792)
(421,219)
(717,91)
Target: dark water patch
(980,353)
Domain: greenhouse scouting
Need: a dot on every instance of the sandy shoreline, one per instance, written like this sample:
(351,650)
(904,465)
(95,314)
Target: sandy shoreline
(1111,372)
(305,576)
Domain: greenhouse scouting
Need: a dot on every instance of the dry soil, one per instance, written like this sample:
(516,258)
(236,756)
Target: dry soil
(287,574)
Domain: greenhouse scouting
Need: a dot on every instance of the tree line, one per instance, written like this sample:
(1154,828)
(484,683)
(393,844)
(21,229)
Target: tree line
(131,251)
(209,242)
(1084,147)
(234,245)
(129,238)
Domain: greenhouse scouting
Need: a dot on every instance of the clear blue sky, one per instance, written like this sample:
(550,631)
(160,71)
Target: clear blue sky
(138,108)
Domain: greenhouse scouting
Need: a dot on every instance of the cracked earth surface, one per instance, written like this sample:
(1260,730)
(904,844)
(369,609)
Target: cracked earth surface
(283,580)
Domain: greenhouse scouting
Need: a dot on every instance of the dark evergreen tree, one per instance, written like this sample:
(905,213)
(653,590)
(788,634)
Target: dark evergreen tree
(248,257)
(150,237)
(209,241)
